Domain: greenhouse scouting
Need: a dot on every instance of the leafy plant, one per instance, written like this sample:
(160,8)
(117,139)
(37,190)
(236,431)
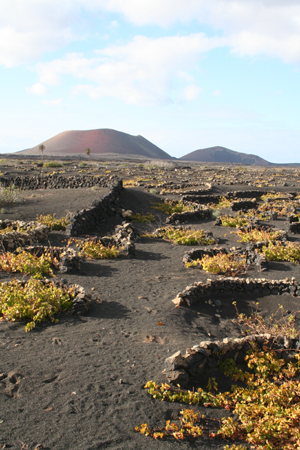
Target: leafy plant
(278,251)
(52,164)
(53,223)
(182,236)
(34,300)
(222,203)
(25,262)
(222,263)
(90,248)
(258,235)
(169,207)
(142,218)
(238,221)
(10,195)
(267,406)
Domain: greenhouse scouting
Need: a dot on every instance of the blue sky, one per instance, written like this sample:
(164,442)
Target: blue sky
(185,74)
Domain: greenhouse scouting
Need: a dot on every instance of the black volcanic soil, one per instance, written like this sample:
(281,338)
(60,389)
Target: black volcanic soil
(81,380)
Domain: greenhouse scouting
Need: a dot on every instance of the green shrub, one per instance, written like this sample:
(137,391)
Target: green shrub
(10,195)
(25,262)
(256,235)
(90,248)
(279,251)
(238,221)
(222,263)
(53,223)
(169,207)
(52,164)
(142,218)
(182,236)
(35,301)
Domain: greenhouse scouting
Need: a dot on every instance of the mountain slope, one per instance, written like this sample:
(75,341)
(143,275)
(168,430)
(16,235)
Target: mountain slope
(224,155)
(101,141)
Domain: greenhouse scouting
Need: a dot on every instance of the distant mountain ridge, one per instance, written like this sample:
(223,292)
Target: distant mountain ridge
(224,155)
(100,141)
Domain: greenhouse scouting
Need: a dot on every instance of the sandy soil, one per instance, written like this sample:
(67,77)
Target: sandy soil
(78,384)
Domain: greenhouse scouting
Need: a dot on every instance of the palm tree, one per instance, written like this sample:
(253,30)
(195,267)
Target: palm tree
(41,149)
(87,151)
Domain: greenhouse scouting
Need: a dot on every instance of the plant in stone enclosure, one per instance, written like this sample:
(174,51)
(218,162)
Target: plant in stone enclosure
(265,197)
(52,164)
(169,207)
(33,300)
(238,221)
(222,203)
(53,223)
(10,195)
(279,251)
(182,236)
(222,263)
(25,262)
(281,323)
(266,402)
(142,218)
(90,248)
(258,235)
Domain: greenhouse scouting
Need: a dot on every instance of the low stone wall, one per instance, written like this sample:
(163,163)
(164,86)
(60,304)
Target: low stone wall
(252,257)
(56,181)
(86,219)
(67,257)
(251,286)
(188,216)
(33,233)
(208,354)
(246,204)
(201,199)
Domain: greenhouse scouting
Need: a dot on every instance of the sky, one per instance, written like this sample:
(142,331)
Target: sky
(185,74)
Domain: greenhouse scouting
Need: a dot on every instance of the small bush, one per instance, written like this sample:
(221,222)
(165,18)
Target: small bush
(223,203)
(142,218)
(25,262)
(182,236)
(10,195)
(169,207)
(90,248)
(234,222)
(35,300)
(53,223)
(257,235)
(52,164)
(222,263)
(279,251)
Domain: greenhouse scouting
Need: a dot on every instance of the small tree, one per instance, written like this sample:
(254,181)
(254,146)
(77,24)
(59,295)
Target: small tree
(41,149)
(87,151)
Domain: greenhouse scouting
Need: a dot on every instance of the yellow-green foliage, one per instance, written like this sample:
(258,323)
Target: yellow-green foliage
(267,404)
(25,262)
(273,196)
(257,235)
(130,183)
(95,250)
(35,301)
(223,203)
(238,221)
(279,251)
(253,213)
(183,236)
(53,223)
(52,164)
(222,263)
(169,207)
(142,218)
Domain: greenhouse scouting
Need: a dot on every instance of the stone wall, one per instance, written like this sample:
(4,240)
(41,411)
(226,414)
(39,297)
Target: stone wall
(188,216)
(251,286)
(208,354)
(56,181)
(86,219)
(29,233)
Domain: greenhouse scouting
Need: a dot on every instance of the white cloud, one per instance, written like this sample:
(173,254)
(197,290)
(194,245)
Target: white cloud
(216,93)
(55,102)
(145,71)
(191,92)
(37,89)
